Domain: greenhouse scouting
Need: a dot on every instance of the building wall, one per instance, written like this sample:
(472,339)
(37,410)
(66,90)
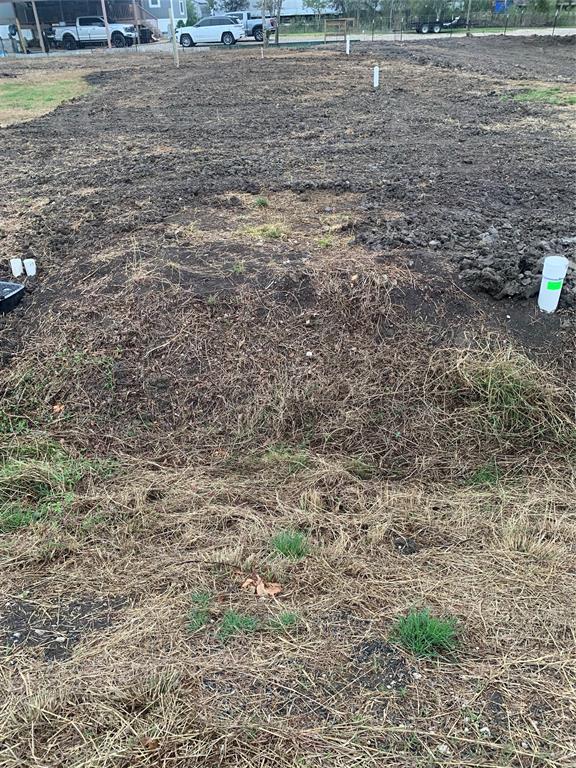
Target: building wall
(289,8)
(161,9)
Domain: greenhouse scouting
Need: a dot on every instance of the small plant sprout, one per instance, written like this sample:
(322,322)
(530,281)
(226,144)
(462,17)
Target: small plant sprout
(261,202)
(424,635)
(291,544)
(326,242)
(239,268)
(236,624)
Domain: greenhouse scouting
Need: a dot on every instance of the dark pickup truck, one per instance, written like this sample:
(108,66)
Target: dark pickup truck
(438,25)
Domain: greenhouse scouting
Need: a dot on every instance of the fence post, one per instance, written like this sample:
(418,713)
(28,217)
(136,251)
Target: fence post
(468,18)
(506,24)
(174,43)
(555,20)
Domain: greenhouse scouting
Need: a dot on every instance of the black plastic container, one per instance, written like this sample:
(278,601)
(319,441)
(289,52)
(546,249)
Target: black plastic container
(10,295)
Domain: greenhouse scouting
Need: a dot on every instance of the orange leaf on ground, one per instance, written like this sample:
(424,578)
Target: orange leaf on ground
(262,588)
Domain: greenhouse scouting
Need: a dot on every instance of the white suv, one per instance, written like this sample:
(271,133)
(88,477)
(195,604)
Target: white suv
(211,29)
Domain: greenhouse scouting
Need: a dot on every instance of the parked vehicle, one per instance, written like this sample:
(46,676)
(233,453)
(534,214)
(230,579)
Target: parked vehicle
(210,29)
(252,25)
(438,25)
(91,30)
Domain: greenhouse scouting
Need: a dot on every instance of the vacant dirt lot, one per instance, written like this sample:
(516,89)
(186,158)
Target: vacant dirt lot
(272,300)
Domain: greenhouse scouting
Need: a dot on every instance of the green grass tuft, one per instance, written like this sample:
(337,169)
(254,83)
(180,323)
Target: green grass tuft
(261,202)
(236,624)
(291,544)
(554,95)
(425,635)
(489,474)
(199,613)
(284,621)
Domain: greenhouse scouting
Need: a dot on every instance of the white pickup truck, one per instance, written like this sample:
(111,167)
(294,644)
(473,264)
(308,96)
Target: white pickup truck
(253,24)
(91,30)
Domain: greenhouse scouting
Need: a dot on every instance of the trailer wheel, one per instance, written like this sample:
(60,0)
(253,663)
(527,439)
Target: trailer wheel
(118,40)
(425,28)
(69,42)
(436,28)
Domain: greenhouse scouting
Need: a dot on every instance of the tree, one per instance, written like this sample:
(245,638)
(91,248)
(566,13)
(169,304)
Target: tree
(229,6)
(191,13)
(318,6)
(276,12)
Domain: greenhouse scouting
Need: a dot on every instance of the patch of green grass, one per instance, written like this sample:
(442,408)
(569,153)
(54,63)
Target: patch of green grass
(261,202)
(36,97)
(291,544)
(293,460)
(268,231)
(284,621)
(12,425)
(485,475)
(199,613)
(236,624)
(425,635)
(37,481)
(554,95)
(15,515)
(326,242)
(238,268)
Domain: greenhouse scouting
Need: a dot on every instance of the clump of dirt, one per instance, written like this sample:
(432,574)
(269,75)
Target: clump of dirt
(504,265)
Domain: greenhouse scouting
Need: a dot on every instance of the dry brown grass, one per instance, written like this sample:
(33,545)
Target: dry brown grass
(332,691)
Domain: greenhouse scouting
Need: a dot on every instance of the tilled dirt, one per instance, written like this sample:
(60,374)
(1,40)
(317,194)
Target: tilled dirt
(139,202)
(512,58)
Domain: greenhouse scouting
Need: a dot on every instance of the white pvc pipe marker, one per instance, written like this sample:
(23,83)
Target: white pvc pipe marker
(376,77)
(553,274)
(347,46)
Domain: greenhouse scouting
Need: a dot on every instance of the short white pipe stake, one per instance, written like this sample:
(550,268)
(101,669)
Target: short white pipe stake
(553,274)
(347,46)
(376,76)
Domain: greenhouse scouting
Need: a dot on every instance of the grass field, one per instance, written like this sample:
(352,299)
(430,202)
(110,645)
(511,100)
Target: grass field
(26,100)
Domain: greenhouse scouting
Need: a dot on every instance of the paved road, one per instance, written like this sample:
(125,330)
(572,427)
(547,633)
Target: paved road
(310,39)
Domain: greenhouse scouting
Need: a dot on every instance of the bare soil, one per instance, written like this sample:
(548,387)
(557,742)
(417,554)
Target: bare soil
(272,298)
